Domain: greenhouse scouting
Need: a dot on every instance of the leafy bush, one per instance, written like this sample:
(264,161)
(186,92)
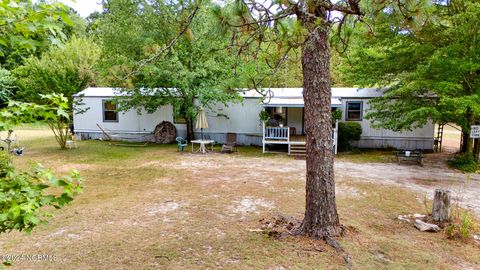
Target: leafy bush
(5,164)
(337,115)
(25,195)
(7,86)
(348,132)
(55,112)
(263,116)
(464,162)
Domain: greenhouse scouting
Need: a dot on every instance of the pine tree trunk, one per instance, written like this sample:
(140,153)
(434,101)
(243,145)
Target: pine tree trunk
(321,218)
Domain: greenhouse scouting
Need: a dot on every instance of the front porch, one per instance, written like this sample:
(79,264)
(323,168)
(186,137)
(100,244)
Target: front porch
(286,124)
(286,136)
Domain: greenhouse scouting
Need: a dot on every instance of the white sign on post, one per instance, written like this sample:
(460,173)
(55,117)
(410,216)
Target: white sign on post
(475,132)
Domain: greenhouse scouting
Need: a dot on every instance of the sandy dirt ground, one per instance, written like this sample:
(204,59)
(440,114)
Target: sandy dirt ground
(153,208)
(451,138)
(435,173)
(424,180)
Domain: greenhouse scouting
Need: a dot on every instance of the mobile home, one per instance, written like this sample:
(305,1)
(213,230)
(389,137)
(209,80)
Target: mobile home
(283,104)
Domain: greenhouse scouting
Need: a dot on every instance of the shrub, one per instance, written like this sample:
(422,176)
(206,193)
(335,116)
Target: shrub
(7,86)
(263,116)
(337,115)
(5,164)
(25,197)
(464,162)
(348,132)
(55,112)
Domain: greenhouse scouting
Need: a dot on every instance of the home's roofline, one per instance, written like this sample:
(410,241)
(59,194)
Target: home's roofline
(288,93)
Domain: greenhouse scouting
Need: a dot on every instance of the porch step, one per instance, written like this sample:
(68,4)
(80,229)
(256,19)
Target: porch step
(298,150)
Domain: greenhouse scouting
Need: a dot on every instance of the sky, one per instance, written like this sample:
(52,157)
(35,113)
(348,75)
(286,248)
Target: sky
(84,7)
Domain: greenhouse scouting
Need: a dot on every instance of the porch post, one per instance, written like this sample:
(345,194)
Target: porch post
(288,134)
(263,137)
(288,139)
(335,136)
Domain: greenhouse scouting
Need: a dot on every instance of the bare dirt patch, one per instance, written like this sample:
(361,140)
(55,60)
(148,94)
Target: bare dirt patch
(65,168)
(423,180)
(249,205)
(162,208)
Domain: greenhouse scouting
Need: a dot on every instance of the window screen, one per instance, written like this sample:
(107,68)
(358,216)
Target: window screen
(110,113)
(354,111)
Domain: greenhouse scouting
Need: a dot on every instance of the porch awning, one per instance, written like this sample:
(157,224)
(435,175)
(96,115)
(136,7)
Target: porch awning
(295,102)
(336,103)
(284,102)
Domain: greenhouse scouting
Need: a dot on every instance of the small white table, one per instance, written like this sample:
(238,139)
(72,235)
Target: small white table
(202,144)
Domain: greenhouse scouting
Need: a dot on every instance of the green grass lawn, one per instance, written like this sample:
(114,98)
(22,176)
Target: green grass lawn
(155,208)
(364,156)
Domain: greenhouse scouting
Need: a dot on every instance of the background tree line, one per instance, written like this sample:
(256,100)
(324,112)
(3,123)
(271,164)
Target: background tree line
(427,55)
(67,53)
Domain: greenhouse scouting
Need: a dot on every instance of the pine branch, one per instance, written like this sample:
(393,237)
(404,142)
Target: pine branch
(167,48)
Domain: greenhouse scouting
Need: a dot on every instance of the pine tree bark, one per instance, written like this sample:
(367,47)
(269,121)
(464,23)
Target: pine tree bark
(321,218)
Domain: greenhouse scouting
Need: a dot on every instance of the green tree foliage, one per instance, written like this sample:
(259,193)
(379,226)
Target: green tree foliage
(55,111)
(64,70)
(271,58)
(7,86)
(24,196)
(92,23)
(427,54)
(257,73)
(27,28)
(166,54)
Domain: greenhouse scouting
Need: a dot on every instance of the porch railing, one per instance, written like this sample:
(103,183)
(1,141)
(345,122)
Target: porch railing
(283,134)
(276,133)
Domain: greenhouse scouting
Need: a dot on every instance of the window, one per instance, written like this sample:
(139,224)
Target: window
(110,113)
(354,111)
